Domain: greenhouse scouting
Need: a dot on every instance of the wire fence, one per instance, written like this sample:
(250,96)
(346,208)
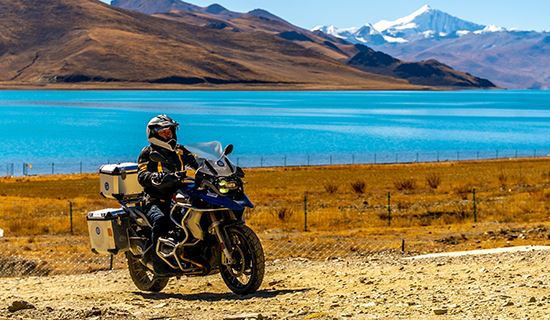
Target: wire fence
(47,237)
(52,239)
(253,161)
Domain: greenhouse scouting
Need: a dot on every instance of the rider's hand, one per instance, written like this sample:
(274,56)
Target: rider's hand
(180,175)
(157,177)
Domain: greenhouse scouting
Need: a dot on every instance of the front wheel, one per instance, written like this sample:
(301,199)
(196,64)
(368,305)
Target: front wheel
(246,274)
(142,277)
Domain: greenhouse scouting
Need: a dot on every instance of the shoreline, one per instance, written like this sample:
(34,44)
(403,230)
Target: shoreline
(97,86)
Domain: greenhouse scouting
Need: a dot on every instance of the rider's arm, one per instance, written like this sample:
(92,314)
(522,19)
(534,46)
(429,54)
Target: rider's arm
(145,174)
(189,159)
(150,173)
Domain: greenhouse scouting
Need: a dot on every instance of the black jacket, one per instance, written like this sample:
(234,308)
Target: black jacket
(149,170)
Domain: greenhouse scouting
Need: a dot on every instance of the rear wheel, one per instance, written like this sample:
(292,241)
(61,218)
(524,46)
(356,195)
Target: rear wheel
(246,274)
(142,277)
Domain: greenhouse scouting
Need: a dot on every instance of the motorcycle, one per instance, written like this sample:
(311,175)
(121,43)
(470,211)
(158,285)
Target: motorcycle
(209,233)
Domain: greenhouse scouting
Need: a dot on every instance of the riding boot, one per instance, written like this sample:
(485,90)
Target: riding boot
(155,264)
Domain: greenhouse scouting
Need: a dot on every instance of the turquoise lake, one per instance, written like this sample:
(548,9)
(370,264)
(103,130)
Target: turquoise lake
(274,128)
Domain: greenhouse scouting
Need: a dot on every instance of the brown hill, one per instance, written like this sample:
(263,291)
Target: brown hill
(66,41)
(431,73)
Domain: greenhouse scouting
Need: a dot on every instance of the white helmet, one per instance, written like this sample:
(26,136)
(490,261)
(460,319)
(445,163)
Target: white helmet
(158,123)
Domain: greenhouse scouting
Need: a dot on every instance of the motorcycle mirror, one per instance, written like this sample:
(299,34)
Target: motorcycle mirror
(228,149)
(157,157)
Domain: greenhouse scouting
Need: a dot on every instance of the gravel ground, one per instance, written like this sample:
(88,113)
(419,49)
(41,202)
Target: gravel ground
(384,286)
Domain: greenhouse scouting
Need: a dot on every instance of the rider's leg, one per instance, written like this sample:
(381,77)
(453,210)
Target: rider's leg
(161,224)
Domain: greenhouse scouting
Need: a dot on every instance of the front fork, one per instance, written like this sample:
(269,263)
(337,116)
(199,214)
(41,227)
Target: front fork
(223,240)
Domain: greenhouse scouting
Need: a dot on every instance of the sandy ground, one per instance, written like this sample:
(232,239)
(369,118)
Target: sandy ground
(512,285)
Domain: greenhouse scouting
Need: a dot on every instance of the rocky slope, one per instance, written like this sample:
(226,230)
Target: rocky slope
(261,20)
(63,41)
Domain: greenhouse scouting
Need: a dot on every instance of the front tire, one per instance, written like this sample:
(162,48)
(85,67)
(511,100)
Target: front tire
(142,277)
(247,273)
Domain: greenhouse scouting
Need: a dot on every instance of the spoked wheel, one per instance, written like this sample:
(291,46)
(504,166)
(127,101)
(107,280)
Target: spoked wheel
(142,277)
(246,274)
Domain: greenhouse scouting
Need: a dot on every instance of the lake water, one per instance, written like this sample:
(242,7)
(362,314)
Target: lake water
(271,128)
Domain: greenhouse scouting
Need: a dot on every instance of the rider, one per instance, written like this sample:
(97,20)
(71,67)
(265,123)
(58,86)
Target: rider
(160,181)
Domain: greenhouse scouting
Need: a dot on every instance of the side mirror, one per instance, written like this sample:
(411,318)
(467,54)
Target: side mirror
(157,157)
(240,172)
(227,151)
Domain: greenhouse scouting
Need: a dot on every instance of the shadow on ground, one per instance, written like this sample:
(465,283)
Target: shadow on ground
(208,296)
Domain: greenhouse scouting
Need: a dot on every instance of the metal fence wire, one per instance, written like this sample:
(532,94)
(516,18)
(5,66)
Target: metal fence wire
(50,236)
(25,168)
(53,239)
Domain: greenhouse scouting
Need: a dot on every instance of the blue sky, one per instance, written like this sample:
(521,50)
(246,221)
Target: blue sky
(524,14)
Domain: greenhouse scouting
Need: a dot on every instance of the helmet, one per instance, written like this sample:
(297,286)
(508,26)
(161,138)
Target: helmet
(158,123)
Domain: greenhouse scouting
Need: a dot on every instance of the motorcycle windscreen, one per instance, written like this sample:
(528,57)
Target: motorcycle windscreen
(211,159)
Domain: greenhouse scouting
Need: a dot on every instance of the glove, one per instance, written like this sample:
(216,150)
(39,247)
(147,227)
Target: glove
(164,182)
(180,175)
(157,177)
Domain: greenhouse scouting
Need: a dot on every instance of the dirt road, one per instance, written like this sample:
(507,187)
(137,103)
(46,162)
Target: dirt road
(384,286)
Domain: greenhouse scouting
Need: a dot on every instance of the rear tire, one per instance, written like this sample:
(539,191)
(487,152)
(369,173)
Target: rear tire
(247,273)
(142,277)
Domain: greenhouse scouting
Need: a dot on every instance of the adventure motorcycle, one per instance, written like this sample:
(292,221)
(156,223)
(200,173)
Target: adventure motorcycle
(209,234)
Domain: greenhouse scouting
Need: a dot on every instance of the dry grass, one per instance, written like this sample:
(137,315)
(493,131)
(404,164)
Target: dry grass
(405,184)
(40,205)
(433,180)
(35,210)
(331,188)
(358,187)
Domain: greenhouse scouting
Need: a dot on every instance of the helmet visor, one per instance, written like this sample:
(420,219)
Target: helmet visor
(165,133)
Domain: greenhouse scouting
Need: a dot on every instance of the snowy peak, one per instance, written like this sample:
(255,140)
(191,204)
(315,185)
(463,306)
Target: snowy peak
(427,23)
(424,23)
(385,24)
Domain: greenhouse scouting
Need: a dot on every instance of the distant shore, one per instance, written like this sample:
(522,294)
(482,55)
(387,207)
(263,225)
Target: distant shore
(118,86)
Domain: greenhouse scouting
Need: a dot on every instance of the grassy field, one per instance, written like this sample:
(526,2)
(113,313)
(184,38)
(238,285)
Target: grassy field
(431,205)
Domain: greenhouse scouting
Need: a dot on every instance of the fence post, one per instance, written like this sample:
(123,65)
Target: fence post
(417,157)
(402,246)
(308,160)
(535,153)
(477,155)
(396,158)
(330,159)
(111,262)
(352,159)
(497,153)
(375,158)
(305,212)
(261,161)
(285,161)
(53,167)
(437,156)
(475,206)
(389,209)
(71,215)
(80,167)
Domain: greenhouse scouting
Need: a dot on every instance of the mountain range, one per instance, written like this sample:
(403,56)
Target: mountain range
(510,58)
(170,42)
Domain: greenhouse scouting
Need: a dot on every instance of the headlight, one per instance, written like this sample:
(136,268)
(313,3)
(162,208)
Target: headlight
(229,185)
(224,190)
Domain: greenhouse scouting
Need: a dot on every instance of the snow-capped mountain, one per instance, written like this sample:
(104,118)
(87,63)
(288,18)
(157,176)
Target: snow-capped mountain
(510,58)
(424,23)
